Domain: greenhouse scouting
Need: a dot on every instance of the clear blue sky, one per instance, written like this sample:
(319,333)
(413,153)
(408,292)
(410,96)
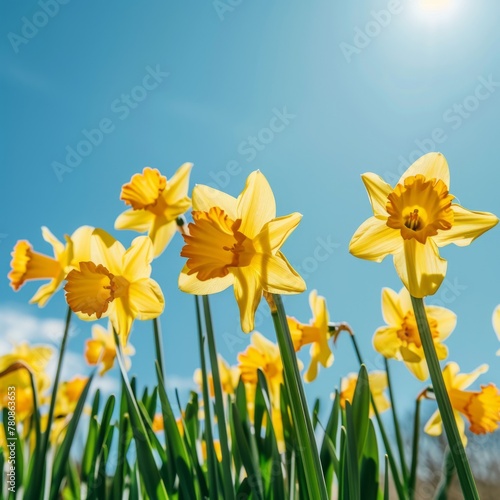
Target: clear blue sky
(360,89)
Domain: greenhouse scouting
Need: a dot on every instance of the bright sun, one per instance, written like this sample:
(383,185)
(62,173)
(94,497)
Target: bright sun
(436,10)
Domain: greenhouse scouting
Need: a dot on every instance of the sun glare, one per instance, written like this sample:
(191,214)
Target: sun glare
(436,11)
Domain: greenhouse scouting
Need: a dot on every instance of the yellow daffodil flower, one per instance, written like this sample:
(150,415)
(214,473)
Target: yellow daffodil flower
(68,394)
(264,355)
(29,265)
(316,333)
(237,241)
(156,203)
(115,283)
(229,378)
(278,428)
(496,324)
(378,384)
(413,219)
(101,348)
(400,339)
(481,408)
(36,358)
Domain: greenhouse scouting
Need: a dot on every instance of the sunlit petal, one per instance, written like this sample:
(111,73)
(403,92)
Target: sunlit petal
(137,259)
(391,309)
(256,204)
(248,293)
(277,275)
(136,220)
(378,191)
(275,232)
(107,251)
(431,166)
(190,283)
(146,298)
(374,240)
(206,197)
(467,226)
(420,267)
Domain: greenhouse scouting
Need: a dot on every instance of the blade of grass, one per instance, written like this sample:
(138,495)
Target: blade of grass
(457,449)
(62,455)
(145,458)
(385,439)
(399,440)
(36,484)
(219,403)
(298,403)
(213,477)
(412,481)
(159,345)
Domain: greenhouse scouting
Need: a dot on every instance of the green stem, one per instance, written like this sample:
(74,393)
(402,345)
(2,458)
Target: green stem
(36,486)
(307,442)
(219,403)
(414,450)
(457,449)
(211,459)
(385,439)
(397,429)
(159,345)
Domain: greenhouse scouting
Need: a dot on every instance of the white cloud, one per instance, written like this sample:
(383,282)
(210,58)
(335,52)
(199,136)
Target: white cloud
(16,327)
(180,383)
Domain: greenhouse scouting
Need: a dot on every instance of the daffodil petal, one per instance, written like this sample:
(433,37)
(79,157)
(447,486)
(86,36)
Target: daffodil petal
(378,191)
(105,250)
(378,381)
(317,303)
(460,426)
(386,341)
(248,294)
(45,292)
(137,259)
(146,298)
(161,234)
(136,220)
(121,316)
(467,226)
(431,166)
(256,205)
(391,310)
(374,240)
(50,238)
(405,301)
(178,184)
(463,380)
(447,320)
(277,275)
(434,426)
(275,232)
(206,197)
(190,283)
(81,244)
(420,267)
(312,371)
(496,321)
(419,369)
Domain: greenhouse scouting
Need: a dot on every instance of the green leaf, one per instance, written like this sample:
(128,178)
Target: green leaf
(145,459)
(62,455)
(248,454)
(361,409)
(352,454)
(370,466)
